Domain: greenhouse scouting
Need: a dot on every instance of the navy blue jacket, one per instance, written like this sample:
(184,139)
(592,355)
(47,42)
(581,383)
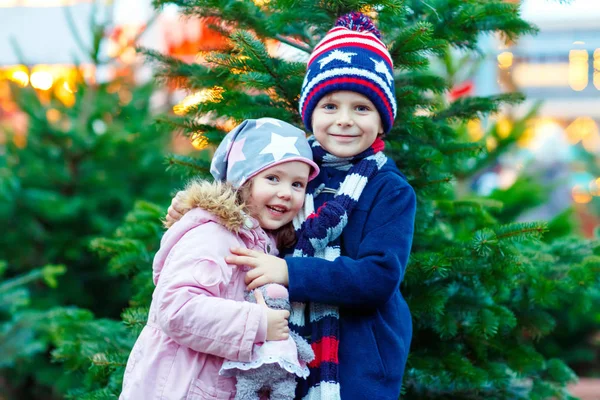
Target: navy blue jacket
(375,322)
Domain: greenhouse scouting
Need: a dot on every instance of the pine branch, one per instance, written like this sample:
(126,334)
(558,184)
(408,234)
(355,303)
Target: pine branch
(475,107)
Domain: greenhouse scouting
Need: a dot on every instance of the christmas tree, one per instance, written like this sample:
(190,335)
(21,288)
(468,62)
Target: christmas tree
(539,178)
(576,339)
(481,291)
(89,151)
(19,334)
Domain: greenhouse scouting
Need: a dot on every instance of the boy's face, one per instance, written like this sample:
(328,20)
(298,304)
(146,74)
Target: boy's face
(346,123)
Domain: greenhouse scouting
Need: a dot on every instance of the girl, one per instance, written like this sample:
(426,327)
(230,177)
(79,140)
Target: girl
(198,317)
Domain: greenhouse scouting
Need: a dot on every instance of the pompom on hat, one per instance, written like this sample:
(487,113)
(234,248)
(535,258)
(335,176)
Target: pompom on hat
(258,144)
(351,57)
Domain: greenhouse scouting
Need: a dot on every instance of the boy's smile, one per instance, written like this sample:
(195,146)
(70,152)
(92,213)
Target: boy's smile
(346,123)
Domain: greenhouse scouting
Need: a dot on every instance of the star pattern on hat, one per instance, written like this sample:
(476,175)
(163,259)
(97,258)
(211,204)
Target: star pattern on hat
(336,55)
(236,154)
(260,122)
(280,146)
(381,68)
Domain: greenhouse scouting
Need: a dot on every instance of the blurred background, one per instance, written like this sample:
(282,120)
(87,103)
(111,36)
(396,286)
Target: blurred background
(559,72)
(73,88)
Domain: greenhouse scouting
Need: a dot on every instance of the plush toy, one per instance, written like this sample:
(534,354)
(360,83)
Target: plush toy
(275,364)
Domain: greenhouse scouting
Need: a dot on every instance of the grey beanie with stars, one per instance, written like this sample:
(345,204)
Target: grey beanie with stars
(258,144)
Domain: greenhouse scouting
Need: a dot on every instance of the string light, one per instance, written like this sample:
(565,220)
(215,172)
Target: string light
(505,60)
(491,144)
(199,141)
(53,115)
(68,88)
(503,127)
(19,76)
(65,94)
(475,130)
(578,69)
(584,129)
(580,194)
(212,95)
(42,80)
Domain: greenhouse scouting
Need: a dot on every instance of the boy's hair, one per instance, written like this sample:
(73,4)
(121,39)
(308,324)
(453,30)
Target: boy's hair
(285,237)
(350,57)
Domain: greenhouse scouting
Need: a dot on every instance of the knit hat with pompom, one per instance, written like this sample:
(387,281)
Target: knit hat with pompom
(350,57)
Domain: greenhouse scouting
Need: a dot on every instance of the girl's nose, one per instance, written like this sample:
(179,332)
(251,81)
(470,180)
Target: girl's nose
(284,193)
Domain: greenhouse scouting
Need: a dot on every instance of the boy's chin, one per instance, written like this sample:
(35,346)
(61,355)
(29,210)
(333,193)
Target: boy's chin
(344,151)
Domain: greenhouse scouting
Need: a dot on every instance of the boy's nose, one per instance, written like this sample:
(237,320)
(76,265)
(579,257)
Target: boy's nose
(345,119)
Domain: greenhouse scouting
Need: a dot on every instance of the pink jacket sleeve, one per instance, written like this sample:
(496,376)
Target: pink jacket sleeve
(191,307)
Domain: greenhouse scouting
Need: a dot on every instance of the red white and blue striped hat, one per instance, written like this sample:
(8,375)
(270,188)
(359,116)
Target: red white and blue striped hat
(351,57)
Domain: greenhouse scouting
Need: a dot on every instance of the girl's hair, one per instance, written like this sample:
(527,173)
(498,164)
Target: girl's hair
(285,237)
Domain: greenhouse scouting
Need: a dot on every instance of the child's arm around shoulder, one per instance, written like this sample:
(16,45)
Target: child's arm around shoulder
(383,250)
(190,297)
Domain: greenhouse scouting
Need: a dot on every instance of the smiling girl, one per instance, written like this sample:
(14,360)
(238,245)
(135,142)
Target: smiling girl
(198,316)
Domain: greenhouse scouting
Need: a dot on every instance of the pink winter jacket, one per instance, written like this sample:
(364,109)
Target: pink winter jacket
(198,316)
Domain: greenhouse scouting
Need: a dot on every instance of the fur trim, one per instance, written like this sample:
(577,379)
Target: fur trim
(218,198)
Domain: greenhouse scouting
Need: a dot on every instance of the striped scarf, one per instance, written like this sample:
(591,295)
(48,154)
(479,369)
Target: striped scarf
(318,235)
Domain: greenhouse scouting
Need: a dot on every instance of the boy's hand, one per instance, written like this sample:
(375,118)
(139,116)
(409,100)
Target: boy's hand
(265,268)
(175,211)
(277,320)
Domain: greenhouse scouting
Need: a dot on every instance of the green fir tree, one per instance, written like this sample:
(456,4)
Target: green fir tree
(21,332)
(86,160)
(576,338)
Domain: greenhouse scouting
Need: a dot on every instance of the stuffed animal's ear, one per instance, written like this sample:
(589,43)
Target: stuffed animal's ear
(276,291)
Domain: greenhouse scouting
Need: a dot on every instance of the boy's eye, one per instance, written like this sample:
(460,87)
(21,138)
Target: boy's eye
(329,106)
(363,108)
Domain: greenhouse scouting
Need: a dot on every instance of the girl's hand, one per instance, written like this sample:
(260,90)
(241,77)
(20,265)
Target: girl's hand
(265,267)
(175,211)
(277,320)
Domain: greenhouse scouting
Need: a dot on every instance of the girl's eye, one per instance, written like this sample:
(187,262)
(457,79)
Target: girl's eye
(272,178)
(299,185)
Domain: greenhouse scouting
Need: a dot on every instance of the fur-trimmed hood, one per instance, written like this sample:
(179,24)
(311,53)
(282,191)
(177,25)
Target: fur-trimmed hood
(217,198)
(204,204)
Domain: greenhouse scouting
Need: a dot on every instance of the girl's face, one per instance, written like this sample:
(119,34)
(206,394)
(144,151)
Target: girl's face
(346,123)
(277,194)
